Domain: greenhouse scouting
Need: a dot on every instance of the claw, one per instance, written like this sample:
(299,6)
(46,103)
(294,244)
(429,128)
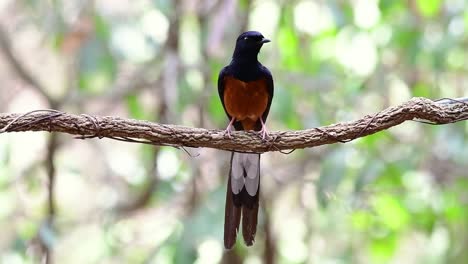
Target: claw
(229,128)
(264,131)
(227,132)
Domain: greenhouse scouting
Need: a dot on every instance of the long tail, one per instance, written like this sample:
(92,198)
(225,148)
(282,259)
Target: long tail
(242,198)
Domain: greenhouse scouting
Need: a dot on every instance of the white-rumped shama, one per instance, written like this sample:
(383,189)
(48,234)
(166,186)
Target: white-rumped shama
(245,87)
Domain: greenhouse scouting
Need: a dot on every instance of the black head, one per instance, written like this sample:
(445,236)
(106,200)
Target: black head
(248,45)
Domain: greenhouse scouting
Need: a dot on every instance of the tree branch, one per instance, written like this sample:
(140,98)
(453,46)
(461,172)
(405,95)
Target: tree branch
(86,126)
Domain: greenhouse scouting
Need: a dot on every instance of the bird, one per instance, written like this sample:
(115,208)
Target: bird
(245,88)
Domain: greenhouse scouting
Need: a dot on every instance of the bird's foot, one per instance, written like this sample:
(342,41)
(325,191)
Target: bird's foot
(229,128)
(227,132)
(264,131)
(264,134)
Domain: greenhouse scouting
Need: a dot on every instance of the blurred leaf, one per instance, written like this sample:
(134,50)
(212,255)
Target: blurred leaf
(186,95)
(371,142)
(354,86)
(208,217)
(408,38)
(425,220)
(429,8)
(390,179)
(8,204)
(284,109)
(288,43)
(5,154)
(361,220)
(135,108)
(57,40)
(390,211)
(382,249)
(97,67)
(27,229)
(421,90)
(456,58)
(465,17)
(166,254)
(391,7)
(165,191)
(215,107)
(101,27)
(244,4)
(367,175)
(321,51)
(454,211)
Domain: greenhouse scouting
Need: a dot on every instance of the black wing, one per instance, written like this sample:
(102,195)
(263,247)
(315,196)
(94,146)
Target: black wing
(223,73)
(270,88)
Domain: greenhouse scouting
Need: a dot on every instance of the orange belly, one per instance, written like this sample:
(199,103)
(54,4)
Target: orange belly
(246,101)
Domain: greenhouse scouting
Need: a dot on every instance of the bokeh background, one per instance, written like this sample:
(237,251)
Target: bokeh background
(399,196)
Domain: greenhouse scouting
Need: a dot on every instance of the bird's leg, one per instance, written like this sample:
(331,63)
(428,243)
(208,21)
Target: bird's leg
(263,132)
(229,127)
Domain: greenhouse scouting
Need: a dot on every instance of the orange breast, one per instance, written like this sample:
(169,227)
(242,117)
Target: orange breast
(246,101)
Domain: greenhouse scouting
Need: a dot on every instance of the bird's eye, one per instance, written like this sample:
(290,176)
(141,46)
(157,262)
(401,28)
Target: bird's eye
(246,38)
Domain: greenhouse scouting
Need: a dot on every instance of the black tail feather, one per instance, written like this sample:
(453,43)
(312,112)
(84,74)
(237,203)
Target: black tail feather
(232,214)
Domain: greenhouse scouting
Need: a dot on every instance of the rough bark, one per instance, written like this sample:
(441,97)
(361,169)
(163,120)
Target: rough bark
(87,126)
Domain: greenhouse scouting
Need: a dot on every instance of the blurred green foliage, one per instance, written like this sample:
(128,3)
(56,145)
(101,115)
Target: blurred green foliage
(399,196)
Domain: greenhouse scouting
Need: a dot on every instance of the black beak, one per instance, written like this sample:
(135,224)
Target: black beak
(265,40)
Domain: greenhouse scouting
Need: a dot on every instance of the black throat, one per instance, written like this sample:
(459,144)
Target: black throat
(246,55)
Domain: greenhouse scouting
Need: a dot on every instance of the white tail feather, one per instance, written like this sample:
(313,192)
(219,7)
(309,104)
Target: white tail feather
(237,179)
(250,164)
